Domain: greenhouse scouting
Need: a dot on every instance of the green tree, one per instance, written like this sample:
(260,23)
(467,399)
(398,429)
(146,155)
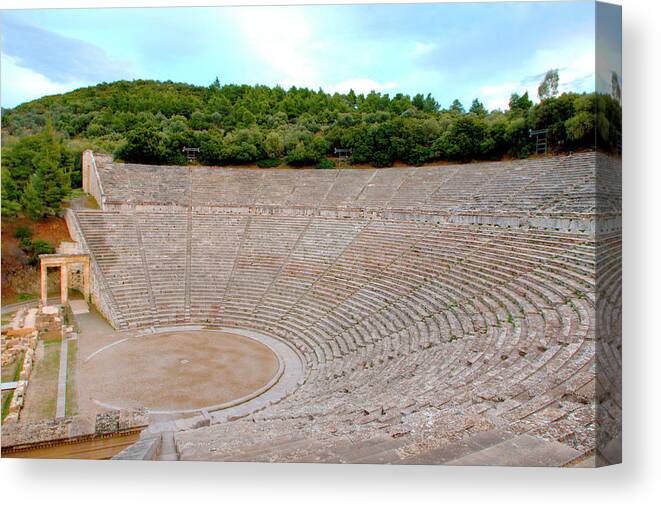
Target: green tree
(549,86)
(274,145)
(51,181)
(616,88)
(143,145)
(457,107)
(32,201)
(11,195)
(520,103)
(478,108)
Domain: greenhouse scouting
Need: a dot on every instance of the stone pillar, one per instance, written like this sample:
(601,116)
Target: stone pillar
(86,279)
(64,283)
(44,283)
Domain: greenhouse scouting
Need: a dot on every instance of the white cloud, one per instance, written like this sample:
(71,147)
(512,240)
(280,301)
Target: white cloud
(576,70)
(423,48)
(19,84)
(498,96)
(282,38)
(361,85)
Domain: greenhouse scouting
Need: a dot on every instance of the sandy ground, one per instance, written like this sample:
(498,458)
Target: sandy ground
(172,371)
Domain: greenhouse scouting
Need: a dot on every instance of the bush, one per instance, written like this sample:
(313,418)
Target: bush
(39,247)
(42,247)
(326,164)
(23,232)
(268,163)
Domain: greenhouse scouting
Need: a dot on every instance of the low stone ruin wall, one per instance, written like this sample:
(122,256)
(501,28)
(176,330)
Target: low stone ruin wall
(17,437)
(21,337)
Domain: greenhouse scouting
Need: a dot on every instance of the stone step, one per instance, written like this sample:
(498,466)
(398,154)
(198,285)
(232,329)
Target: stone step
(459,449)
(168,450)
(521,451)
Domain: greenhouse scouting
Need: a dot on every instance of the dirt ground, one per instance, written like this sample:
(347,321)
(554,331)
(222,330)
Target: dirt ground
(175,371)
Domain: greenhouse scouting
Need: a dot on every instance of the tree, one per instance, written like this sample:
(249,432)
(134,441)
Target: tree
(549,86)
(32,202)
(10,195)
(143,145)
(150,121)
(457,107)
(616,88)
(50,183)
(478,108)
(466,140)
(520,103)
(274,145)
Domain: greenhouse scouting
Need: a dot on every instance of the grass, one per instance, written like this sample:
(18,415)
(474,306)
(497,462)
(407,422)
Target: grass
(50,367)
(52,336)
(41,400)
(83,198)
(10,373)
(71,397)
(7,396)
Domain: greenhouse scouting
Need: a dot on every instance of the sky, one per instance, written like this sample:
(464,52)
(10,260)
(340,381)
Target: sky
(453,51)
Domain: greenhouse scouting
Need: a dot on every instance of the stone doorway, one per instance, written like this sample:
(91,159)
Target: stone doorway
(67,263)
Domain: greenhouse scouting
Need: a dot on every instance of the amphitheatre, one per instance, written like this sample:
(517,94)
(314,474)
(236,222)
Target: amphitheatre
(457,314)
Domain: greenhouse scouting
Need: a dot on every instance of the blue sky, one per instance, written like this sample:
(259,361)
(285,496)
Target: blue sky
(450,50)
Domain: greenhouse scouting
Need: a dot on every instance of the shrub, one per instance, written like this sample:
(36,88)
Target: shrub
(325,163)
(268,163)
(42,247)
(39,247)
(23,232)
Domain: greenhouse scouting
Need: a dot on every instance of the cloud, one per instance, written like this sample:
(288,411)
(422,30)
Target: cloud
(361,85)
(576,72)
(423,48)
(20,84)
(282,38)
(58,58)
(498,96)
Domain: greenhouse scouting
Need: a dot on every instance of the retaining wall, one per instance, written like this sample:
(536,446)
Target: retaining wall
(91,180)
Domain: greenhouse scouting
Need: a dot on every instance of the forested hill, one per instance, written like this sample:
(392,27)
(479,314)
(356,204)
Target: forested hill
(150,122)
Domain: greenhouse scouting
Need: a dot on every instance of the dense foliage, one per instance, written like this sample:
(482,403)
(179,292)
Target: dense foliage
(36,174)
(148,121)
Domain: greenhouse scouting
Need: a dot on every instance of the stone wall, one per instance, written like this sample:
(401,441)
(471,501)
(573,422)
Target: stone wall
(91,180)
(19,436)
(20,338)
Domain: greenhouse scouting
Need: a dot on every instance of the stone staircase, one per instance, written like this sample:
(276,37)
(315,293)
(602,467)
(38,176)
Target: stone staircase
(494,448)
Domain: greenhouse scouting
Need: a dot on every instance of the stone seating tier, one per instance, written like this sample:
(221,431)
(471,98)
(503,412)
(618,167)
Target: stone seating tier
(459,328)
(433,307)
(550,185)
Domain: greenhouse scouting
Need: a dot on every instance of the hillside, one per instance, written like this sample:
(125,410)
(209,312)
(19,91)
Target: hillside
(151,121)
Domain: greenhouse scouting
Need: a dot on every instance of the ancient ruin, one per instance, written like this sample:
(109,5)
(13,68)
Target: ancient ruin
(462,314)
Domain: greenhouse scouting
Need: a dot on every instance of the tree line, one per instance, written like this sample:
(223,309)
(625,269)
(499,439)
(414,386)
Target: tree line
(150,122)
